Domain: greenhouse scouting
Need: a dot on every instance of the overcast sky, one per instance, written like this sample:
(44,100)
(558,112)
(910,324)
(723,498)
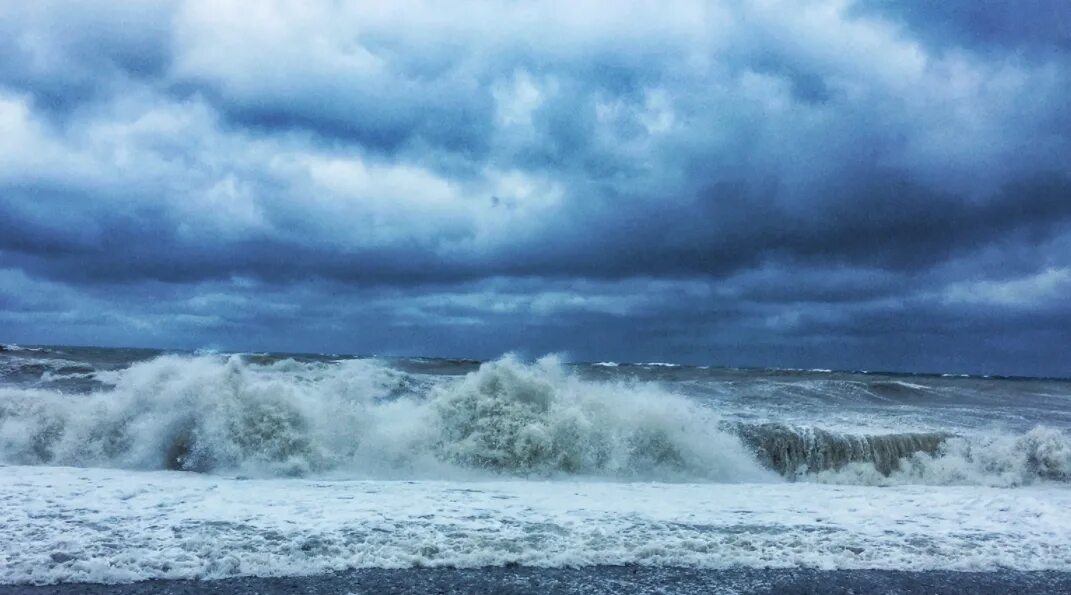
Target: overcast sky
(834,184)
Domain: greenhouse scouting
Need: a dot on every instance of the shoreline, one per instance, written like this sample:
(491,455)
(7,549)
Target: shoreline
(588,580)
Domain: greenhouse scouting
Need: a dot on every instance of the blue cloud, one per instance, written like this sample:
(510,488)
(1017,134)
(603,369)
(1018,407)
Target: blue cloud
(797,184)
(1040,25)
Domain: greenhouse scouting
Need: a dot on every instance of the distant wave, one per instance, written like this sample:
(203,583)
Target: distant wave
(16,348)
(43,370)
(362,418)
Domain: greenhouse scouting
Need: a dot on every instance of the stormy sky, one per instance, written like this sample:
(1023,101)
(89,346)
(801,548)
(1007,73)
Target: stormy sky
(865,184)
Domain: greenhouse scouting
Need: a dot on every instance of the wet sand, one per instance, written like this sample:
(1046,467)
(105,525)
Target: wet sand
(589,580)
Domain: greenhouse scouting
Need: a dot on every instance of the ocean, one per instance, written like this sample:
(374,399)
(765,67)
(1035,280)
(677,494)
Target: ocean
(143,471)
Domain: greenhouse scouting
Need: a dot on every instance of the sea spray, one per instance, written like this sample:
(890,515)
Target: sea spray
(541,419)
(216,414)
(364,418)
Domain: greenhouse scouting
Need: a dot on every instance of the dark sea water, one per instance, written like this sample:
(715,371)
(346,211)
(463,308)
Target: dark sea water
(136,471)
(594,581)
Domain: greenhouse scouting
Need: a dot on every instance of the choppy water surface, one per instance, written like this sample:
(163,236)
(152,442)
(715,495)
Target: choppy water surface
(345,462)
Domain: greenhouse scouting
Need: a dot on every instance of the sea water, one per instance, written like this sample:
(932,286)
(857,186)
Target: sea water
(126,465)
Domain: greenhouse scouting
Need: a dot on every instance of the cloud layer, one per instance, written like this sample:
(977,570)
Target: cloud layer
(827,183)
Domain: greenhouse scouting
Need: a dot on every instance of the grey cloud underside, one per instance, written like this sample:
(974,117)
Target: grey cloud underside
(899,227)
(1041,25)
(854,182)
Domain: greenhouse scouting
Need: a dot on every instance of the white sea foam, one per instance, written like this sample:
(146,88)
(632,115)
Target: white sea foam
(1001,460)
(13,347)
(361,418)
(513,463)
(49,376)
(67,524)
(364,419)
(911,385)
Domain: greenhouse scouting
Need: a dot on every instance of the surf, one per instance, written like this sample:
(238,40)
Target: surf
(365,418)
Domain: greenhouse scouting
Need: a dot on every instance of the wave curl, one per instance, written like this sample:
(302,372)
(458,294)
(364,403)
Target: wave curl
(363,418)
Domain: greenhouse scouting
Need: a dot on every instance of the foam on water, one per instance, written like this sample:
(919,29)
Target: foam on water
(68,524)
(1042,454)
(14,347)
(136,471)
(363,418)
(358,416)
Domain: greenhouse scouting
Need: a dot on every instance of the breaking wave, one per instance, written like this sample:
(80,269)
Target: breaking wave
(362,418)
(941,458)
(1041,454)
(795,452)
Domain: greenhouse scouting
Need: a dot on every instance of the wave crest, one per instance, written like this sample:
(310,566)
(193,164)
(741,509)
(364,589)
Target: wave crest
(209,413)
(362,418)
(795,452)
(1041,454)
(509,416)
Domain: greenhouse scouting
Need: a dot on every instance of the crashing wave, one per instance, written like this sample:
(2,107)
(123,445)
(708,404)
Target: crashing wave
(796,451)
(539,419)
(1041,454)
(803,453)
(362,418)
(358,416)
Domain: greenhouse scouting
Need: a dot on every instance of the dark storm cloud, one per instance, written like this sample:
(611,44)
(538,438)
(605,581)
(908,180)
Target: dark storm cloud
(904,229)
(382,118)
(66,54)
(815,184)
(1043,25)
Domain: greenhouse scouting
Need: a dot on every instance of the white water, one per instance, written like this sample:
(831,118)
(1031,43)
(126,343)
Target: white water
(357,463)
(69,524)
(365,419)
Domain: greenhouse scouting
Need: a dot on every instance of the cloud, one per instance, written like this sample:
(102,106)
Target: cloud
(1048,285)
(753,180)
(73,54)
(1035,24)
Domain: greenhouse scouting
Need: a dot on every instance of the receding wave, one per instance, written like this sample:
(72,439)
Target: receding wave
(362,418)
